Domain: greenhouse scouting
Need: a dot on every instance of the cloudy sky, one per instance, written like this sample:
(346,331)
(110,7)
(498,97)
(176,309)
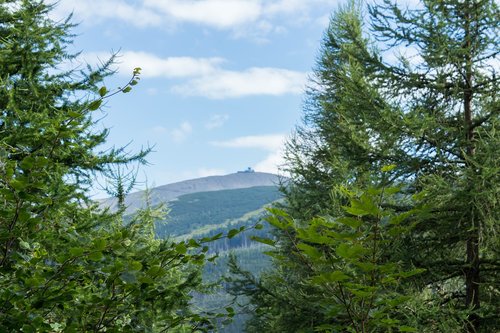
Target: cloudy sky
(222,80)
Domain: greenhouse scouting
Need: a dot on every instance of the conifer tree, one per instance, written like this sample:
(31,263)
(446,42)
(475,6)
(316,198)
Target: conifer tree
(66,265)
(434,114)
(448,113)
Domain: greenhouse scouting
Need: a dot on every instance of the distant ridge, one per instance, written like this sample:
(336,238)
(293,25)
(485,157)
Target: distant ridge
(172,191)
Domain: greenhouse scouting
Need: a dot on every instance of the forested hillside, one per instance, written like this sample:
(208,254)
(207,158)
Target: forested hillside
(208,214)
(169,192)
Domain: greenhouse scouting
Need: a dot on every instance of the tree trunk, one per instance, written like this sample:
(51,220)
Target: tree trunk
(472,276)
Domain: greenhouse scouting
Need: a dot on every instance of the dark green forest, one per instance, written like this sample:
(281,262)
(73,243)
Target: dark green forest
(388,220)
(193,212)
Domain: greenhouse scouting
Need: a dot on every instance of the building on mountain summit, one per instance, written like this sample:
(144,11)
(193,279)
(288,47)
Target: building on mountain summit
(248,170)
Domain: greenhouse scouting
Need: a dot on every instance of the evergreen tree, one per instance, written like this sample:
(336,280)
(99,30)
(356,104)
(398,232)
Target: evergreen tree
(448,114)
(66,265)
(434,115)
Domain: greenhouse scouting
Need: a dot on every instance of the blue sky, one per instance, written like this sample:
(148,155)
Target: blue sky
(222,80)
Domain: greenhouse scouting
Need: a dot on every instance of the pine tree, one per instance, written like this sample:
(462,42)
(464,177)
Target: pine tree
(66,265)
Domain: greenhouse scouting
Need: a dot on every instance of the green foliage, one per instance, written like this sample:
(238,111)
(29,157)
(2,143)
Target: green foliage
(220,216)
(351,277)
(193,213)
(432,118)
(65,265)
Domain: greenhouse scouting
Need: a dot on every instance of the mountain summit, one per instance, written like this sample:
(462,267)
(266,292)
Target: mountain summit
(172,191)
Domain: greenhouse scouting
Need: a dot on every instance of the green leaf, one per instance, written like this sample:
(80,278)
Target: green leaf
(232,233)
(181,248)
(154,271)
(103,91)
(366,266)
(407,329)
(258,226)
(349,250)
(18,184)
(126,90)
(211,239)
(95,256)
(76,251)
(356,211)
(135,266)
(330,277)
(361,293)
(392,190)
(74,114)
(309,250)
(99,244)
(27,329)
(279,219)
(349,221)
(275,255)
(24,245)
(413,272)
(388,168)
(146,280)
(263,240)
(95,105)
(27,163)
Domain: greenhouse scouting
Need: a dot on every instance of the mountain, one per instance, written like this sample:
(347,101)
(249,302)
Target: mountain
(206,214)
(202,214)
(167,193)
(209,206)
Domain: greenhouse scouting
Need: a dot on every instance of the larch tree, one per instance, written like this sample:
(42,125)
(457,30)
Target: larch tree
(65,264)
(415,88)
(448,115)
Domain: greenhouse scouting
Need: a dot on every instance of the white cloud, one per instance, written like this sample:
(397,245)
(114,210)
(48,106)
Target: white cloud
(216,120)
(205,76)
(169,67)
(271,163)
(323,21)
(215,13)
(271,142)
(244,17)
(180,133)
(409,53)
(249,82)
(95,11)
(159,129)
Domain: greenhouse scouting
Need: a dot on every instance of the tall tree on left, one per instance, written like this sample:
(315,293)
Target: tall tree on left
(65,265)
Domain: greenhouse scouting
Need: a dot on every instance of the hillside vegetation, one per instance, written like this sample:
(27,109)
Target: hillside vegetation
(207,214)
(169,192)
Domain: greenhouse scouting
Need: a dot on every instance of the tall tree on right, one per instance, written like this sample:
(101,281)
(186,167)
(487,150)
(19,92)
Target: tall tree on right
(449,115)
(420,94)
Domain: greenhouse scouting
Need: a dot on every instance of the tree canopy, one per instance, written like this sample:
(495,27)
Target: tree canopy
(65,264)
(402,98)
